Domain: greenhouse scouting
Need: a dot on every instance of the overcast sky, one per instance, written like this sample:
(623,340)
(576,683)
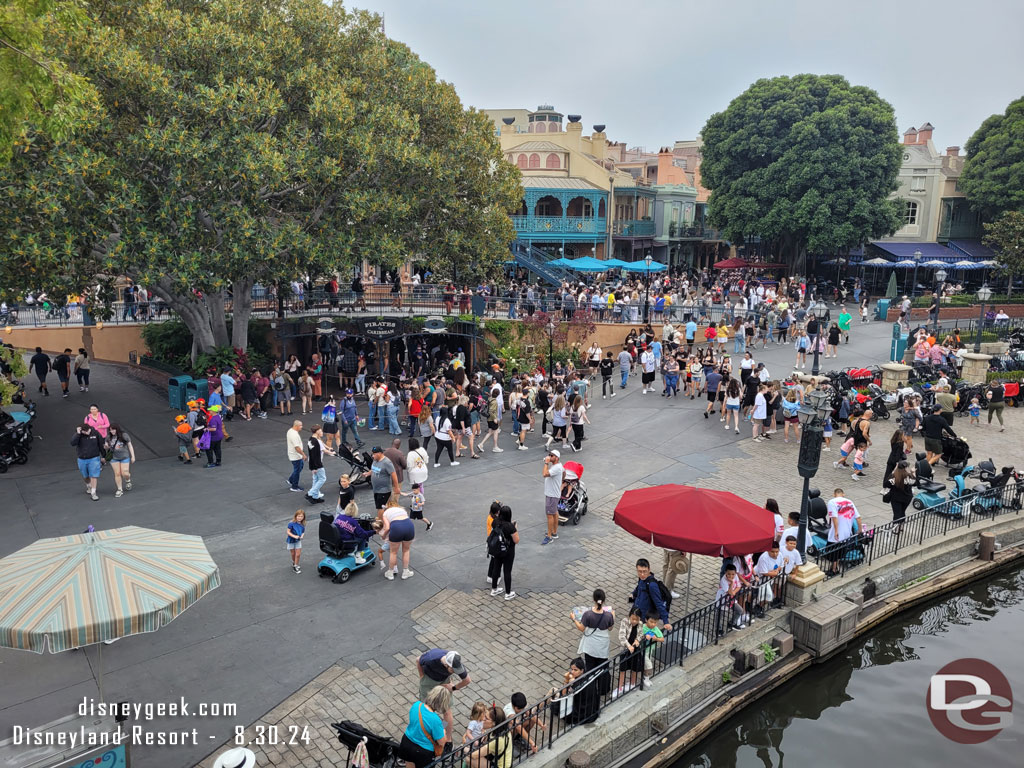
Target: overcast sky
(654,70)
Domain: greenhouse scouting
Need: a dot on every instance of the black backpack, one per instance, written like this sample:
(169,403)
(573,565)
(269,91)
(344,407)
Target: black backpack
(497,543)
(666,593)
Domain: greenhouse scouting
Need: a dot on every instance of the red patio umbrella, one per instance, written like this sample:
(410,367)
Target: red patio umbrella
(731,264)
(695,520)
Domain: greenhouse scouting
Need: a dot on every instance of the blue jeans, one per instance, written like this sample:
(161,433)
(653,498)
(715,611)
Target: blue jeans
(393,427)
(345,427)
(293,478)
(739,344)
(412,425)
(625,376)
(319,478)
(371,420)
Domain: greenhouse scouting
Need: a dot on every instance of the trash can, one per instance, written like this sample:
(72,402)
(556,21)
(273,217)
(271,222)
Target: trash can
(882,309)
(197,388)
(176,391)
(899,344)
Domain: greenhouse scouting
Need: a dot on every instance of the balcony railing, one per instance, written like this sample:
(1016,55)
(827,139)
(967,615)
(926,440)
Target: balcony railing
(633,228)
(560,225)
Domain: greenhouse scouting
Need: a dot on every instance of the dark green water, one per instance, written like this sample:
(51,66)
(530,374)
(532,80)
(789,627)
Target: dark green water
(866,708)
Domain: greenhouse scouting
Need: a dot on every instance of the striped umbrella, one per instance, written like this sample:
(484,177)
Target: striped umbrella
(71,591)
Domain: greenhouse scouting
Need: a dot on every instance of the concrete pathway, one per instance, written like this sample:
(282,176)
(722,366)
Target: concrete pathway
(298,650)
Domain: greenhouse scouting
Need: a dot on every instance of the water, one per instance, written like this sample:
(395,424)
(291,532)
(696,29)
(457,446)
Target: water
(866,707)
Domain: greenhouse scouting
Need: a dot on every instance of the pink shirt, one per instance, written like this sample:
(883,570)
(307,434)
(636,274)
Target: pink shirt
(100,422)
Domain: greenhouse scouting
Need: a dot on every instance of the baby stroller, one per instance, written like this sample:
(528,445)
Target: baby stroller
(955,453)
(381,752)
(358,464)
(573,503)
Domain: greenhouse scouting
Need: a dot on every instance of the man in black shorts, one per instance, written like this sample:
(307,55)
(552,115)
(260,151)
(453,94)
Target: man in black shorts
(62,367)
(713,381)
(40,363)
(383,480)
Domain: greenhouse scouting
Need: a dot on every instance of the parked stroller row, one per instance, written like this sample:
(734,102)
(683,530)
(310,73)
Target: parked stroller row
(16,437)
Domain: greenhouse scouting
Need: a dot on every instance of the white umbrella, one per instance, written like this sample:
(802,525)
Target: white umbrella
(878,261)
(933,264)
(966,264)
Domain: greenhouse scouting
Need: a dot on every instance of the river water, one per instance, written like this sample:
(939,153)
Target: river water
(866,707)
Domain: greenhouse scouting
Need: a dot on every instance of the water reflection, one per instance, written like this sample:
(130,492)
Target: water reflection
(829,716)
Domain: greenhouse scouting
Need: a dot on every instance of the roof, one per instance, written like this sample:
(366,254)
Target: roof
(537,146)
(903,250)
(556,182)
(975,249)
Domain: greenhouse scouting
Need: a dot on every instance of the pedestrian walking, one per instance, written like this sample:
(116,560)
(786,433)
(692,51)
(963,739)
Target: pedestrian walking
(996,396)
(98,420)
(607,368)
(625,363)
(552,473)
(443,437)
(62,367)
(296,455)
(316,448)
(40,363)
(82,370)
(493,420)
(348,414)
(122,456)
(88,444)
(213,436)
(577,418)
(399,532)
(293,541)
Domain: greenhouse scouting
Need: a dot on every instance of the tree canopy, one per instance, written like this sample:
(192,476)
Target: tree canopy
(36,85)
(993,173)
(237,143)
(1006,236)
(806,162)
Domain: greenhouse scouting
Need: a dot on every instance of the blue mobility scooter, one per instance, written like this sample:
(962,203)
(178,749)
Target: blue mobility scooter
(930,492)
(344,544)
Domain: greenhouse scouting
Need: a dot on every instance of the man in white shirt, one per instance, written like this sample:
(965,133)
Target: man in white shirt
(649,363)
(841,515)
(760,413)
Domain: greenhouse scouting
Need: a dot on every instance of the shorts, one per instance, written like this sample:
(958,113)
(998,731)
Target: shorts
(647,378)
(495,425)
(62,377)
(401,530)
(712,396)
(415,514)
(721,395)
(380,500)
(594,363)
(933,445)
(90,467)
(293,545)
(230,400)
(120,461)
(732,407)
(474,418)
(330,428)
(792,419)
(41,375)
(551,505)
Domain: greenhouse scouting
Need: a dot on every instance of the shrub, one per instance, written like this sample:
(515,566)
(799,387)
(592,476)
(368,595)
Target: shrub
(1005,376)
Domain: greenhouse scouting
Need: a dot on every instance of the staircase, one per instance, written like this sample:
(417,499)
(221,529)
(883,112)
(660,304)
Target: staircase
(537,261)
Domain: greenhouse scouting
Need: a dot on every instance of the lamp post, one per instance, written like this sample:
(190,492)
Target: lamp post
(814,331)
(984,294)
(647,289)
(917,260)
(940,280)
(551,346)
(811,415)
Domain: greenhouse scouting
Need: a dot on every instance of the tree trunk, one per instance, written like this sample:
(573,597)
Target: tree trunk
(1009,286)
(193,313)
(240,313)
(218,320)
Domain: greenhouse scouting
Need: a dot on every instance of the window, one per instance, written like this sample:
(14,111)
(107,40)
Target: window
(588,209)
(521,161)
(552,161)
(909,213)
(917,184)
(535,160)
(539,128)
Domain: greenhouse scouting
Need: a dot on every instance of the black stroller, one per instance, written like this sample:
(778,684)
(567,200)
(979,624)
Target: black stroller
(574,501)
(381,751)
(358,464)
(955,454)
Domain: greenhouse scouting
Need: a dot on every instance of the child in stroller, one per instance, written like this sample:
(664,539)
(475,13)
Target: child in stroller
(572,504)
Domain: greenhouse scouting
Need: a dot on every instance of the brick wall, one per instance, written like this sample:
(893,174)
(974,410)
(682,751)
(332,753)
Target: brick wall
(954,313)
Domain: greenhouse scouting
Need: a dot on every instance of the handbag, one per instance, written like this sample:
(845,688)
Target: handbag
(205,440)
(437,752)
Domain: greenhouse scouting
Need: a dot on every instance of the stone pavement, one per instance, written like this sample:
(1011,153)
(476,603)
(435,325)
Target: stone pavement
(298,650)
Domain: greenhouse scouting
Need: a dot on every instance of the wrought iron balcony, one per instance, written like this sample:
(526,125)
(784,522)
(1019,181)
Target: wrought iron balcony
(633,228)
(559,225)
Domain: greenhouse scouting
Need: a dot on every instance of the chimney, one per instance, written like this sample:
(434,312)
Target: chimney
(925,134)
(952,151)
(910,135)
(506,125)
(575,131)
(665,159)
(599,143)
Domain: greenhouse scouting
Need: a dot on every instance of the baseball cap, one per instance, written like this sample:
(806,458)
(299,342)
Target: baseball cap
(554,452)
(348,391)
(453,660)
(376,449)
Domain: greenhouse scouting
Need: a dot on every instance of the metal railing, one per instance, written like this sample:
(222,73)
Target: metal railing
(567,225)
(581,701)
(913,530)
(633,228)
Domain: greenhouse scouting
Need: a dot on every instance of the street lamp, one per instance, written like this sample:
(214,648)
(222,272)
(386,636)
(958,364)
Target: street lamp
(940,280)
(551,346)
(984,294)
(647,289)
(814,331)
(917,260)
(811,415)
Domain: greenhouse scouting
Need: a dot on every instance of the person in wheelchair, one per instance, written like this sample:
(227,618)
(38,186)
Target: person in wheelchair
(350,538)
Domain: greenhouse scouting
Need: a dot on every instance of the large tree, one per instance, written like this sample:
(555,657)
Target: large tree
(251,142)
(805,162)
(1006,236)
(993,174)
(36,85)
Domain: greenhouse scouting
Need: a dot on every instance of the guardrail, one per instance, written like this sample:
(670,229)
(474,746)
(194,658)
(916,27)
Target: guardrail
(938,520)
(581,700)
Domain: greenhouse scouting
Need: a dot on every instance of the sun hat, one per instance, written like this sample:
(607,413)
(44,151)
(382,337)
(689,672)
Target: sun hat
(239,757)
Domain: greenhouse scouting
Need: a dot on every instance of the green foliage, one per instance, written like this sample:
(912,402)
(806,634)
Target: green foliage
(770,653)
(1005,376)
(39,92)
(13,359)
(726,677)
(504,331)
(250,142)
(1006,236)
(806,162)
(169,342)
(993,174)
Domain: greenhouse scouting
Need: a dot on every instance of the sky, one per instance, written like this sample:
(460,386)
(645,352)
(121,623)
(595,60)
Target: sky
(653,71)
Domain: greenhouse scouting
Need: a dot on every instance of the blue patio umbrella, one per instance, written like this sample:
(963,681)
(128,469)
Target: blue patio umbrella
(588,264)
(615,263)
(639,266)
(560,262)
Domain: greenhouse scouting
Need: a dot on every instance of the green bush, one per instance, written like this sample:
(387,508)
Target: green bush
(1005,375)
(170,342)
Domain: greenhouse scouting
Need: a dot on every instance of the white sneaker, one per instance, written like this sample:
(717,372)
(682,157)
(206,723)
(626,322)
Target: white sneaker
(727,426)
(436,465)
(523,448)
(454,464)
(497,450)
(94,496)
(389,575)
(647,682)
(510,595)
(407,574)
(674,595)
(382,563)
(613,394)
(835,465)
(358,557)
(723,419)
(604,397)
(497,591)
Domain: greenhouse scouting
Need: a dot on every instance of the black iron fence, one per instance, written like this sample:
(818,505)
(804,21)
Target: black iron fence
(969,510)
(580,700)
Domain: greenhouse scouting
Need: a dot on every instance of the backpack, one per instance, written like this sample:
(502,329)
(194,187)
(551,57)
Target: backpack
(279,383)
(497,543)
(666,593)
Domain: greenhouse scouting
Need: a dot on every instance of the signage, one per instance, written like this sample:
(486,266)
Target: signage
(434,325)
(381,327)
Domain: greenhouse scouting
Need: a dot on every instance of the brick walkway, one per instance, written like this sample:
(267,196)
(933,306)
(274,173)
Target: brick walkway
(525,644)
